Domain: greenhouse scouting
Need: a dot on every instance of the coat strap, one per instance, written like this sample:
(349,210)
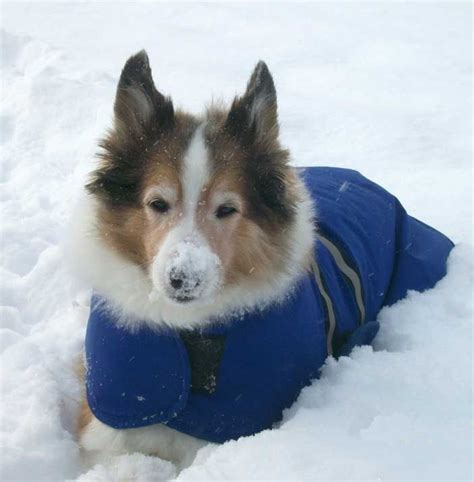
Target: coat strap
(328,303)
(348,271)
(205,354)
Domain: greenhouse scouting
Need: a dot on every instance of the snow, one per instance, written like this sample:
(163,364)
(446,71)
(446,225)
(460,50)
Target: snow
(382,88)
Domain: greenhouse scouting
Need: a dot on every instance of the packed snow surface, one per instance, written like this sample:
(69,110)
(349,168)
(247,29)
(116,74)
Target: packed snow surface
(381,88)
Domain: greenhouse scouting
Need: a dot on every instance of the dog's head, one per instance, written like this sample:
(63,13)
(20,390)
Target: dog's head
(203,205)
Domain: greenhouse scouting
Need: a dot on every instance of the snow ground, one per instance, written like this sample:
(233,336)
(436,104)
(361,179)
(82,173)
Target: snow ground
(383,88)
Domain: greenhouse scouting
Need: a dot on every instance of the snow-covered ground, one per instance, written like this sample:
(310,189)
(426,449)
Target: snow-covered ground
(382,88)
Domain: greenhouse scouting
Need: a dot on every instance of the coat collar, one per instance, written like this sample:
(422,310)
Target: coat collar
(147,375)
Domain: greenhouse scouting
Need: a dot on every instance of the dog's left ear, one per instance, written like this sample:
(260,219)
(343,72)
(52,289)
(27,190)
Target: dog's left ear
(253,117)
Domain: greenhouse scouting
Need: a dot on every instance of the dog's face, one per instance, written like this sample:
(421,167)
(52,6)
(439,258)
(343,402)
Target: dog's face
(200,204)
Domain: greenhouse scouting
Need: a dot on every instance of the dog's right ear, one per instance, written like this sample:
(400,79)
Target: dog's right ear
(253,117)
(140,110)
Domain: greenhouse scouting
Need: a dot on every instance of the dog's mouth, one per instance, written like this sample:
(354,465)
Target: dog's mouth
(181,299)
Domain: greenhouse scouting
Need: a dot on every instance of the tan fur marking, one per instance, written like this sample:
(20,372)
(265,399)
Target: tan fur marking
(135,232)
(249,251)
(85,415)
(244,249)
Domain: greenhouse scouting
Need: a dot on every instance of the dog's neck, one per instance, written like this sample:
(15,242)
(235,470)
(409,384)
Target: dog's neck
(129,290)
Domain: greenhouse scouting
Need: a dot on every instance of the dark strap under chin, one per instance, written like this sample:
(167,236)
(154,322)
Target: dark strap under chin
(205,355)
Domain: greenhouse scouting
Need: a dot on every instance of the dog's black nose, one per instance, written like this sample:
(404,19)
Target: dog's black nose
(176,281)
(181,281)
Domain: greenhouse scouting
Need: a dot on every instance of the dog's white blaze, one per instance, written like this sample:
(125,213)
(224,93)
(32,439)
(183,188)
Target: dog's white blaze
(195,176)
(185,250)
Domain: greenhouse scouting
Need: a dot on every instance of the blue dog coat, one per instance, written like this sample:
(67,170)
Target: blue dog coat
(235,378)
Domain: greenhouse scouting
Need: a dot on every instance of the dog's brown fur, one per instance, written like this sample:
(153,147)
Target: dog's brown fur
(145,158)
(146,148)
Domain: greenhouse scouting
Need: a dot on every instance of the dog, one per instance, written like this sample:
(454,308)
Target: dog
(223,277)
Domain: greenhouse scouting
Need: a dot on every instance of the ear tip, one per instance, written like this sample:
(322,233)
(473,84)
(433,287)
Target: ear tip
(261,70)
(137,62)
(262,73)
(136,67)
(261,65)
(142,56)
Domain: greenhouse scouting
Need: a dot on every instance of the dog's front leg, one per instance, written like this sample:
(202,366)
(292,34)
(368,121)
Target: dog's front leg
(99,440)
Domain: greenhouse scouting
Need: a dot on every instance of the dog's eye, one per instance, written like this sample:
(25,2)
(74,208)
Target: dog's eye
(225,211)
(160,205)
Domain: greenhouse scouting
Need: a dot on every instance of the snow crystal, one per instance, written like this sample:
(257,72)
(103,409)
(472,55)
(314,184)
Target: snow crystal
(344,186)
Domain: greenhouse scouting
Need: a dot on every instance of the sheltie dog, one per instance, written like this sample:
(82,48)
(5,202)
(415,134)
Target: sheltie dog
(188,218)
(215,299)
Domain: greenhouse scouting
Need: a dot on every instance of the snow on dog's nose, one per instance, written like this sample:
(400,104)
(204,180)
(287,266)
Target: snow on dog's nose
(191,271)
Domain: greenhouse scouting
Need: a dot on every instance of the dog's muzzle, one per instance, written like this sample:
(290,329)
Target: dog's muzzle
(190,271)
